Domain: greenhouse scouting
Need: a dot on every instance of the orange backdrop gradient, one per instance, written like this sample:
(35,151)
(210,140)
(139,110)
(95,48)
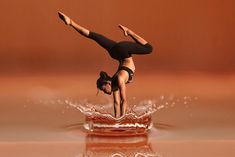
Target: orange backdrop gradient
(187,35)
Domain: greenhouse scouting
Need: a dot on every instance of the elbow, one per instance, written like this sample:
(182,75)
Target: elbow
(116,103)
(124,101)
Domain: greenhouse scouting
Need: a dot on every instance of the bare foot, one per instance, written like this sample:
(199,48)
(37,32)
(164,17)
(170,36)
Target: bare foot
(65,18)
(125,29)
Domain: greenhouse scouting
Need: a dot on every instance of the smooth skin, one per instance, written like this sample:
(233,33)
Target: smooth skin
(119,96)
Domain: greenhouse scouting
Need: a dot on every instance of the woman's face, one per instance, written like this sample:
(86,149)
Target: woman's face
(106,88)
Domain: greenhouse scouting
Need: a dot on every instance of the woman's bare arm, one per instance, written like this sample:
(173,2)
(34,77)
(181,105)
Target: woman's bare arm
(122,88)
(116,101)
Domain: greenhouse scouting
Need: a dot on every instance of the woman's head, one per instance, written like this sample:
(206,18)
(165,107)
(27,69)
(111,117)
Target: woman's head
(104,83)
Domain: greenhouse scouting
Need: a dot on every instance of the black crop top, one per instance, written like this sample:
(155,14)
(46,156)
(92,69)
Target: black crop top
(115,79)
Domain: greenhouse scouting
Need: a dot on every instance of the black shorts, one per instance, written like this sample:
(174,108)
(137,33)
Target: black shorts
(123,49)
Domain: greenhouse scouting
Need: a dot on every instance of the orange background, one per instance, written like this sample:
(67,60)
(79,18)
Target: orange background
(187,35)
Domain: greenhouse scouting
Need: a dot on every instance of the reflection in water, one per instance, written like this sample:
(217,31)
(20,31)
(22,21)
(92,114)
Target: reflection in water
(114,146)
(135,146)
(109,146)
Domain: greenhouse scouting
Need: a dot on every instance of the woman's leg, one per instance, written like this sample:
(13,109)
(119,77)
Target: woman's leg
(100,39)
(128,48)
(140,47)
(133,35)
(77,27)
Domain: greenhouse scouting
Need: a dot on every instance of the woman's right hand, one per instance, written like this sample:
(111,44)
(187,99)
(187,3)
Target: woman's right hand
(65,18)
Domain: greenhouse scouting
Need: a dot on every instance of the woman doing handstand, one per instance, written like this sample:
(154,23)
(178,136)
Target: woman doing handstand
(121,51)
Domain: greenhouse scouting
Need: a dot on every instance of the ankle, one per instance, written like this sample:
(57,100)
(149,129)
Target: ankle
(130,32)
(71,23)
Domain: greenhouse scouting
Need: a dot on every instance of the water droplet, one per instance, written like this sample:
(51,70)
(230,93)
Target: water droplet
(154,105)
(66,101)
(160,107)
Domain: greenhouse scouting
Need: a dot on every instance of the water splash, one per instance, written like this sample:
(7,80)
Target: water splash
(143,109)
(138,119)
(99,120)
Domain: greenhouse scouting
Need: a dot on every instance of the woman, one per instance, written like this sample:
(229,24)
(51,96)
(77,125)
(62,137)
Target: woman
(121,51)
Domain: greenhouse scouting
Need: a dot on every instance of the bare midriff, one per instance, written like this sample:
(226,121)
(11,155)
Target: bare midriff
(128,62)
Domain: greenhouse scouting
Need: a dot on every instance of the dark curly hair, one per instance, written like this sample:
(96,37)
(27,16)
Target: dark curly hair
(103,79)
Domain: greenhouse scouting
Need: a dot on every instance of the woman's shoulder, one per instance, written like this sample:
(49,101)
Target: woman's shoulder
(120,77)
(114,83)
